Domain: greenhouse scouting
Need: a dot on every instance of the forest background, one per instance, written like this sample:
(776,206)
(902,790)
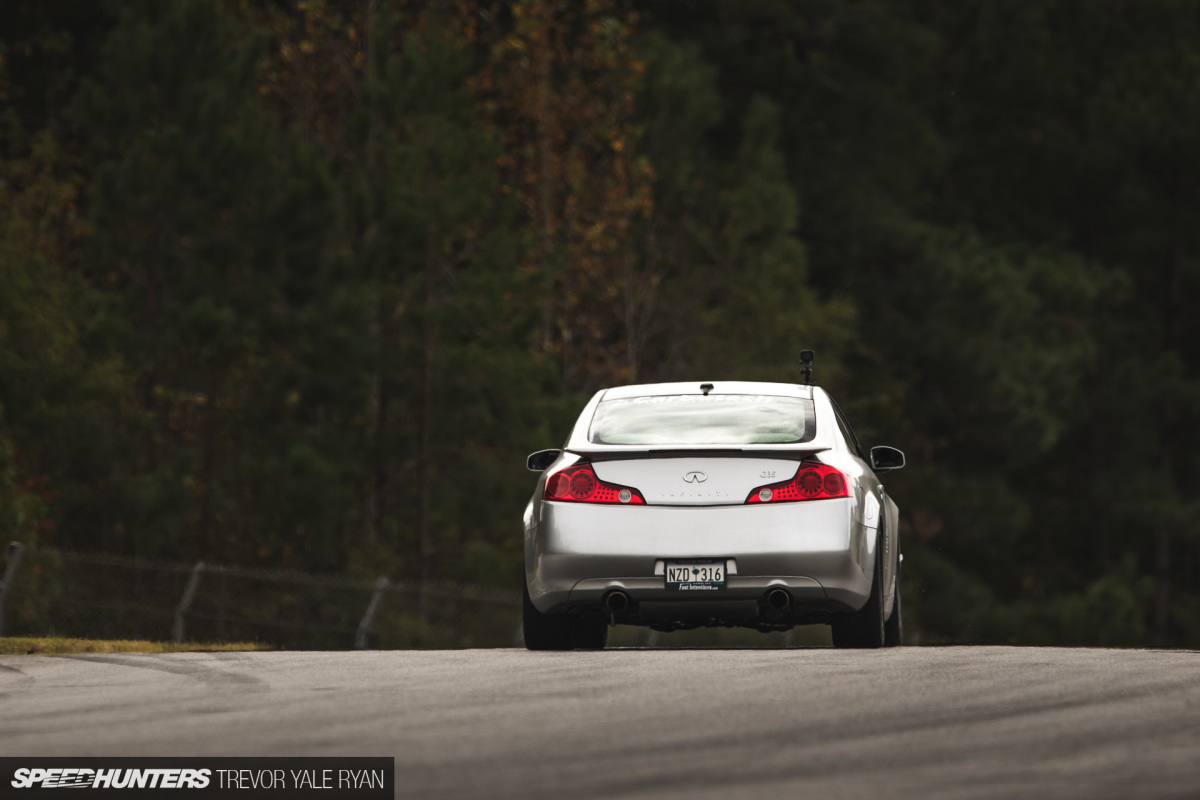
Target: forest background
(299,284)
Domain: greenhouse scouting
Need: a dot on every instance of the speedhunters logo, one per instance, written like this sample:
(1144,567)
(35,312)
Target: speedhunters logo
(333,778)
(78,778)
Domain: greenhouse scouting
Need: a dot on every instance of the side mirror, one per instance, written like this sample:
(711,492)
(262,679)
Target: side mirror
(537,462)
(886,459)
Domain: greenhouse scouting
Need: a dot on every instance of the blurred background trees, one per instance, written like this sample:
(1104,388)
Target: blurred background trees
(300,283)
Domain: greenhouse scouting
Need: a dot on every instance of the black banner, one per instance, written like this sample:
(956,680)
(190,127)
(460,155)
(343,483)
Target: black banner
(326,778)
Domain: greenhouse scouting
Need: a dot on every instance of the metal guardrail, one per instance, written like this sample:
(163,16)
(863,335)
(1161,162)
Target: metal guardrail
(64,592)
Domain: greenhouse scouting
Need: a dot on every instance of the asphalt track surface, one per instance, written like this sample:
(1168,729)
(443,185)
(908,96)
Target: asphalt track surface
(963,722)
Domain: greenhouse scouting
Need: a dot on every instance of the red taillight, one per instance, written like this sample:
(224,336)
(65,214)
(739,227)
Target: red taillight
(579,484)
(811,482)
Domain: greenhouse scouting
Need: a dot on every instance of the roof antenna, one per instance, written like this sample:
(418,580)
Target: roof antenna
(806,362)
(706,388)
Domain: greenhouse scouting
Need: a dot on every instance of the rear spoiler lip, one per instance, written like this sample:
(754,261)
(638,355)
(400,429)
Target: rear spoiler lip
(782,453)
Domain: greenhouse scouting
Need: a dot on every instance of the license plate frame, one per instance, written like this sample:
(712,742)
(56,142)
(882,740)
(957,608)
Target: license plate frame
(704,574)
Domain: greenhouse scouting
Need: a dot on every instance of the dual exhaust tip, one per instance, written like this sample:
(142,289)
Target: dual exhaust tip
(779,599)
(616,601)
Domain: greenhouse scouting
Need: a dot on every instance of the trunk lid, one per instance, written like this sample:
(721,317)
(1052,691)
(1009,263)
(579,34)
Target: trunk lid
(698,479)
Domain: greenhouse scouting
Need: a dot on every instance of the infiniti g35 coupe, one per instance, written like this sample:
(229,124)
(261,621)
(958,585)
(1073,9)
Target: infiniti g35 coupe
(681,505)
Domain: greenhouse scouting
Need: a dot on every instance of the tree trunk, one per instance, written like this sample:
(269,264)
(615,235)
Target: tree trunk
(377,488)
(208,466)
(425,455)
(376,400)
(546,178)
(1173,327)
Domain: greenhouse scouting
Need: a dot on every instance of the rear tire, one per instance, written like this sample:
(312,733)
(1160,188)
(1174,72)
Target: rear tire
(559,631)
(893,630)
(863,629)
(590,635)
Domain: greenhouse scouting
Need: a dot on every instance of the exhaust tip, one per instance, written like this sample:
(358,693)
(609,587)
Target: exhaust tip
(779,599)
(616,601)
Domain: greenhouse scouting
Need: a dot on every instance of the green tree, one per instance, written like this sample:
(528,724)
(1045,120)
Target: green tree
(213,244)
(721,285)
(56,400)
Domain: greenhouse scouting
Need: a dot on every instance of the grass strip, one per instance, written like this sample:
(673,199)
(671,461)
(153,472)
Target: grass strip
(54,645)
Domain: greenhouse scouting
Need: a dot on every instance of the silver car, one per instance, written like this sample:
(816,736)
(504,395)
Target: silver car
(681,505)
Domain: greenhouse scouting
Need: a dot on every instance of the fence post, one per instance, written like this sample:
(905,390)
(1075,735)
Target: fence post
(15,551)
(364,626)
(185,602)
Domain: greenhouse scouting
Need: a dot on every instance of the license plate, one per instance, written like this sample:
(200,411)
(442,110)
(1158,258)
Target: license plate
(695,574)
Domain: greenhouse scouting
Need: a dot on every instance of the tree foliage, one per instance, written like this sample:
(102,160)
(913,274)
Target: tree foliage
(300,283)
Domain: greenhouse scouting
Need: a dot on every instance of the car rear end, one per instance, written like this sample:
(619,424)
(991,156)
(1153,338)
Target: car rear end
(678,506)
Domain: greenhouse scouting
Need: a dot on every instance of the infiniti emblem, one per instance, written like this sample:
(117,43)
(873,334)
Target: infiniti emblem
(695,477)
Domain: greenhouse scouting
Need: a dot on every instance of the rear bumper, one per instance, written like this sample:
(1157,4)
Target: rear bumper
(575,554)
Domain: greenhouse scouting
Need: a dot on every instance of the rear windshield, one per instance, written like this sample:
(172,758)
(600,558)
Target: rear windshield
(689,419)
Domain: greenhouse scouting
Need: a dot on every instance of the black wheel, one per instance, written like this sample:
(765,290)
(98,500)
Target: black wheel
(590,635)
(559,631)
(544,631)
(893,629)
(863,628)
